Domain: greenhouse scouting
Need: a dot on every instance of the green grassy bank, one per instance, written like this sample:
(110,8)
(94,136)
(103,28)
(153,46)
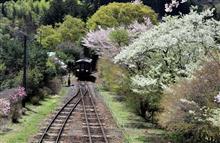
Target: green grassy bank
(135,129)
(29,124)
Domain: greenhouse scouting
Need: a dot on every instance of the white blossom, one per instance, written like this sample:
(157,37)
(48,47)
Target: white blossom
(173,4)
(217,98)
(173,48)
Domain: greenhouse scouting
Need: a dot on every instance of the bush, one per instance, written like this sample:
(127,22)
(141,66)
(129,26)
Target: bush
(54,85)
(113,76)
(188,105)
(35,100)
(43,92)
(116,14)
(16,112)
(145,105)
(35,77)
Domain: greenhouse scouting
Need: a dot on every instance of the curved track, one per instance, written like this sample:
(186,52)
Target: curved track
(95,131)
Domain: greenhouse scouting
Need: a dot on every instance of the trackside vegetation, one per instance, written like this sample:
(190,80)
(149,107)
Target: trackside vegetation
(29,125)
(134,128)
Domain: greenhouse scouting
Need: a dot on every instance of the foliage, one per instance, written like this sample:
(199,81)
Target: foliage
(111,75)
(48,36)
(59,8)
(119,36)
(116,14)
(68,50)
(135,129)
(35,77)
(29,125)
(54,85)
(100,41)
(171,49)
(189,107)
(71,30)
(26,13)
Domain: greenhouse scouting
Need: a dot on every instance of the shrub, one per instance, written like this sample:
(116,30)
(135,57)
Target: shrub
(72,29)
(43,92)
(188,105)
(54,85)
(116,14)
(112,75)
(35,77)
(35,100)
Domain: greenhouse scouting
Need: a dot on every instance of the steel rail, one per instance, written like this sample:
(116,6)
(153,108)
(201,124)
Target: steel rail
(48,127)
(97,116)
(87,122)
(64,124)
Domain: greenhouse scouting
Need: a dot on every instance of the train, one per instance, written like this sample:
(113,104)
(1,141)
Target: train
(83,68)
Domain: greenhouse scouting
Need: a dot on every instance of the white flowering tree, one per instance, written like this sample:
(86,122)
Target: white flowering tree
(172,49)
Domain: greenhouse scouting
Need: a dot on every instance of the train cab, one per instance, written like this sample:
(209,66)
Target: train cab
(83,67)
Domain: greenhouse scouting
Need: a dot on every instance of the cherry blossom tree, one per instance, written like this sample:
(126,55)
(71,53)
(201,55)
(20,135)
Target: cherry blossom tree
(100,41)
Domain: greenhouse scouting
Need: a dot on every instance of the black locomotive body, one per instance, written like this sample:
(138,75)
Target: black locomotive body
(83,68)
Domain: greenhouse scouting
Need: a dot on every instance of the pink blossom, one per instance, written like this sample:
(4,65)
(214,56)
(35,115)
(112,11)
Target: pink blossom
(99,39)
(19,94)
(4,107)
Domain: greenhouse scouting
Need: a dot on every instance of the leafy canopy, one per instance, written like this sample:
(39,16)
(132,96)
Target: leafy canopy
(116,14)
(71,30)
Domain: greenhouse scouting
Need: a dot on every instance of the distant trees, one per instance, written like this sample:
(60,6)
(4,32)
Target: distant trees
(55,13)
(71,30)
(3,7)
(59,8)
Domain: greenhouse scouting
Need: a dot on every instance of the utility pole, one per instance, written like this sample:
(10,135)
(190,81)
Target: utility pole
(25,66)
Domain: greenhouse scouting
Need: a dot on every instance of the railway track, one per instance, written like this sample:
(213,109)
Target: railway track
(92,128)
(93,123)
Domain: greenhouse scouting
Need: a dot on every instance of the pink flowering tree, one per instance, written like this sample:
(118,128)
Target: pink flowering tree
(4,113)
(101,42)
(18,95)
(16,99)
(4,108)
(10,105)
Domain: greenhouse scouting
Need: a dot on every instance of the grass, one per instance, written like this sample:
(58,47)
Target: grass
(134,128)
(29,124)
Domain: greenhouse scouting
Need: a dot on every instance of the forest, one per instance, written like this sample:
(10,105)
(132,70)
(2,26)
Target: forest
(165,53)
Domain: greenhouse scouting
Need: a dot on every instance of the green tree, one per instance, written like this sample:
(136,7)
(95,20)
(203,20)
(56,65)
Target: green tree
(48,36)
(115,14)
(119,36)
(55,13)
(72,29)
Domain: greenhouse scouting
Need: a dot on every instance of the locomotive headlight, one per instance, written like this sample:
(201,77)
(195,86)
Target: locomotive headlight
(86,70)
(77,70)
